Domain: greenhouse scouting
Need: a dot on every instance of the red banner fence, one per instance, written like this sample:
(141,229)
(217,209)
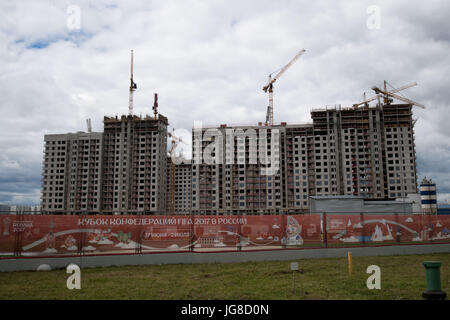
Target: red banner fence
(49,235)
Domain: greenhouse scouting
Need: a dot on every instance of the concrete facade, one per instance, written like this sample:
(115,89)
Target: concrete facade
(182,181)
(72,172)
(366,151)
(237,185)
(134,165)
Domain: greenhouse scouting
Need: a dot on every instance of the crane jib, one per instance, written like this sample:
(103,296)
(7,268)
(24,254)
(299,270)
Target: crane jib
(269,87)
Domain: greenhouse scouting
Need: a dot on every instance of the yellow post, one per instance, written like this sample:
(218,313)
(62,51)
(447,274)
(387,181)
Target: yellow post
(350,266)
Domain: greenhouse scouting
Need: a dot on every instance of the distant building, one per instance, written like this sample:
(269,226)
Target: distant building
(23,209)
(4,208)
(357,204)
(443,208)
(35,209)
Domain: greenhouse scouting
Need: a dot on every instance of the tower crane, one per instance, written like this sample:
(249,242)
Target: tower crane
(155,106)
(388,94)
(366,101)
(269,87)
(89,126)
(173,146)
(133,87)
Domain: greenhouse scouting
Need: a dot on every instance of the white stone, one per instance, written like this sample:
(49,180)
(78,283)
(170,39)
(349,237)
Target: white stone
(44,267)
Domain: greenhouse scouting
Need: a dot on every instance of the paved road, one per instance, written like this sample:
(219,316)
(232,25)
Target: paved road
(207,256)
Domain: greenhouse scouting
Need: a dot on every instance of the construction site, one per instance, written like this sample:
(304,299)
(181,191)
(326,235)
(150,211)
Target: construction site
(365,150)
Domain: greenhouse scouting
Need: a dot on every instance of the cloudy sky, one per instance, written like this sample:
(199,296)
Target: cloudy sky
(208,61)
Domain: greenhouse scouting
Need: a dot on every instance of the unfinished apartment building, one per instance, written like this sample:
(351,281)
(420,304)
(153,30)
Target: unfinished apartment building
(238,185)
(119,171)
(134,173)
(72,173)
(179,179)
(376,154)
(366,151)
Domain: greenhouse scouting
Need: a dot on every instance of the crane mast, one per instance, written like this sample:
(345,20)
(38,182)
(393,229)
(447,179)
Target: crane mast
(155,106)
(133,87)
(89,126)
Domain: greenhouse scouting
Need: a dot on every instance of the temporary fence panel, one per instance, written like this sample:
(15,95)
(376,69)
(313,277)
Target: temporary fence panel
(303,230)
(166,233)
(394,228)
(383,229)
(258,231)
(344,229)
(52,234)
(8,235)
(215,232)
(49,235)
